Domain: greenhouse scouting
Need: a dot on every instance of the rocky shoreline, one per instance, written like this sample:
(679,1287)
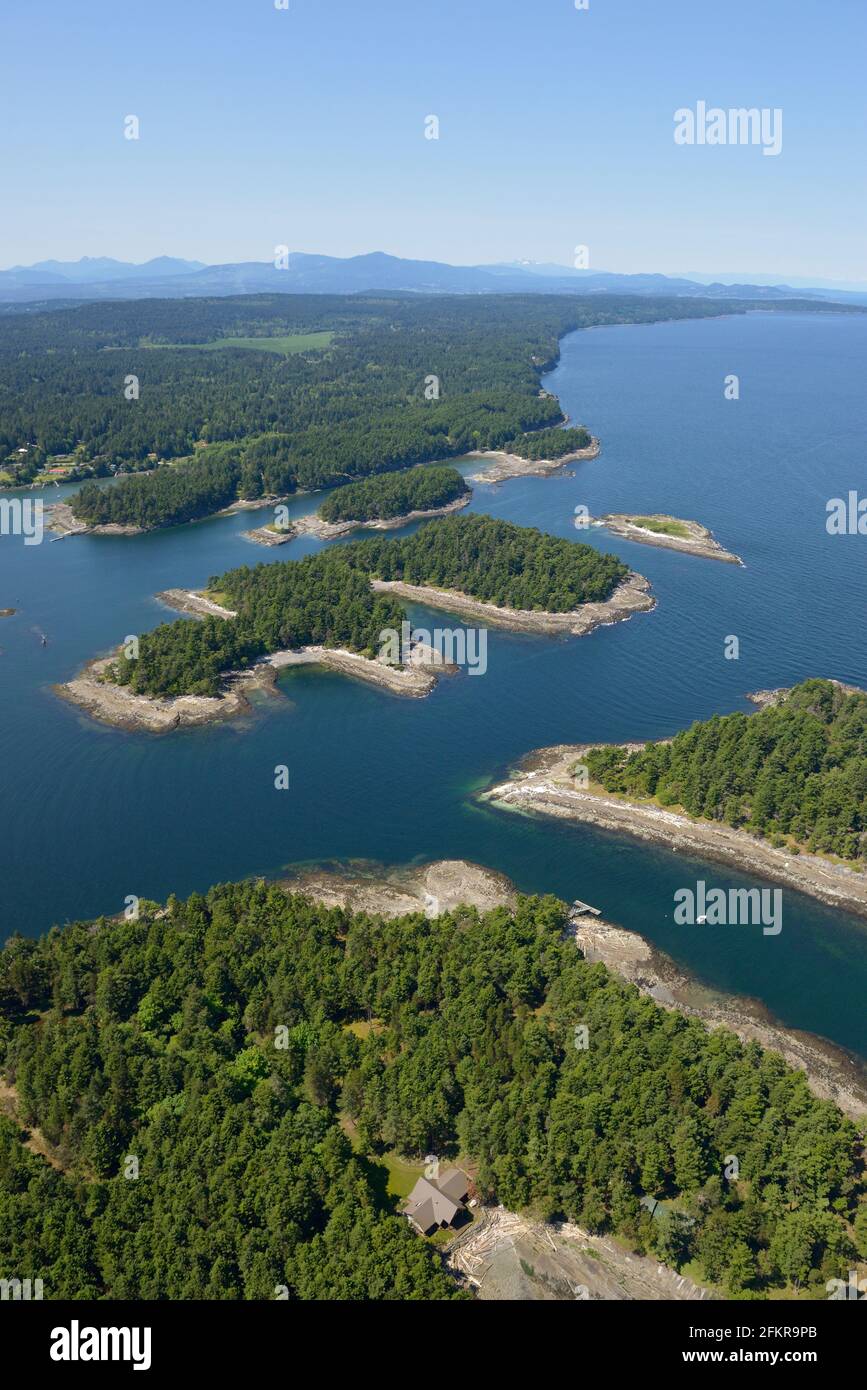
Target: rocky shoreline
(61,519)
(699,541)
(511,1257)
(104,700)
(507,465)
(190,601)
(631,596)
(121,707)
(832,1073)
(544,784)
(313,525)
(117,705)
(441,886)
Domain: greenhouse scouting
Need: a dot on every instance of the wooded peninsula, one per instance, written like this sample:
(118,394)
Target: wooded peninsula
(261,1057)
(794,772)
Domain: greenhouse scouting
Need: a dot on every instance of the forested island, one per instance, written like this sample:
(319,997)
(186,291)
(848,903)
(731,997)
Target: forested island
(390,495)
(220,1086)
(382,384)
(327,599)
(383,502)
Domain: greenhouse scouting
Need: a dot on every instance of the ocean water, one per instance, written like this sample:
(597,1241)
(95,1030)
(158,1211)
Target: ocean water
(89,815)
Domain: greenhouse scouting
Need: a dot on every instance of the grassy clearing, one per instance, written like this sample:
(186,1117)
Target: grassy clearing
(283,345)
(363,1027)
(403,1173)
(663,528)
(217,596)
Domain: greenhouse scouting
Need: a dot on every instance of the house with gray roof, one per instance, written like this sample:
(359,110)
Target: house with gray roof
(438,1202)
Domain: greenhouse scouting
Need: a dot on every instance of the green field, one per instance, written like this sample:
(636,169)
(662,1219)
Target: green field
(284,345)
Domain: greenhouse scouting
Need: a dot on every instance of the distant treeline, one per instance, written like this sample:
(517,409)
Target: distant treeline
(394,494)
(326,599)
(795,771)
(197,1075)
(403,381)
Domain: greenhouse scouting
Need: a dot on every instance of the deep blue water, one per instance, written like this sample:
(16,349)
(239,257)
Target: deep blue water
(89,815)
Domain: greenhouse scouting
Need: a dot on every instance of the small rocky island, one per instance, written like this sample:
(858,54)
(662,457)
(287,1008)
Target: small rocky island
(671,532)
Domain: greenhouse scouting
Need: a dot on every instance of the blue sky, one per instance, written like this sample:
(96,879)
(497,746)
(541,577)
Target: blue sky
(306,127)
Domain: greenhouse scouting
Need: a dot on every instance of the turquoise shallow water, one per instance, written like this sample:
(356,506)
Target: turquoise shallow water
(89,815)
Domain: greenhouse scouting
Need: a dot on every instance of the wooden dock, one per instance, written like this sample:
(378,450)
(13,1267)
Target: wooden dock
(579,909)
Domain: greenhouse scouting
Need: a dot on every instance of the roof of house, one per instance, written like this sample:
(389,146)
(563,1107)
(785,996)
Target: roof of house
(432,1202)
(454,1184)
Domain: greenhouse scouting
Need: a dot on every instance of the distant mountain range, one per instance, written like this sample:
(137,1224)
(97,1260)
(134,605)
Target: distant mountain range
(100,277)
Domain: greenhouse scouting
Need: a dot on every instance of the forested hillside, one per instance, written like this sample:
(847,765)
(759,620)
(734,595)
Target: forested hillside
(394,494)
(196,1077)
(795,771)
(403,381)
(326,599)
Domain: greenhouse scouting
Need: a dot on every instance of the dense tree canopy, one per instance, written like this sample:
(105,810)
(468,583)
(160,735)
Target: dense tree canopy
(551,444)
(498,562)
(210,1045)
(795,771)
(309,419)
(326,599)
(394,494)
